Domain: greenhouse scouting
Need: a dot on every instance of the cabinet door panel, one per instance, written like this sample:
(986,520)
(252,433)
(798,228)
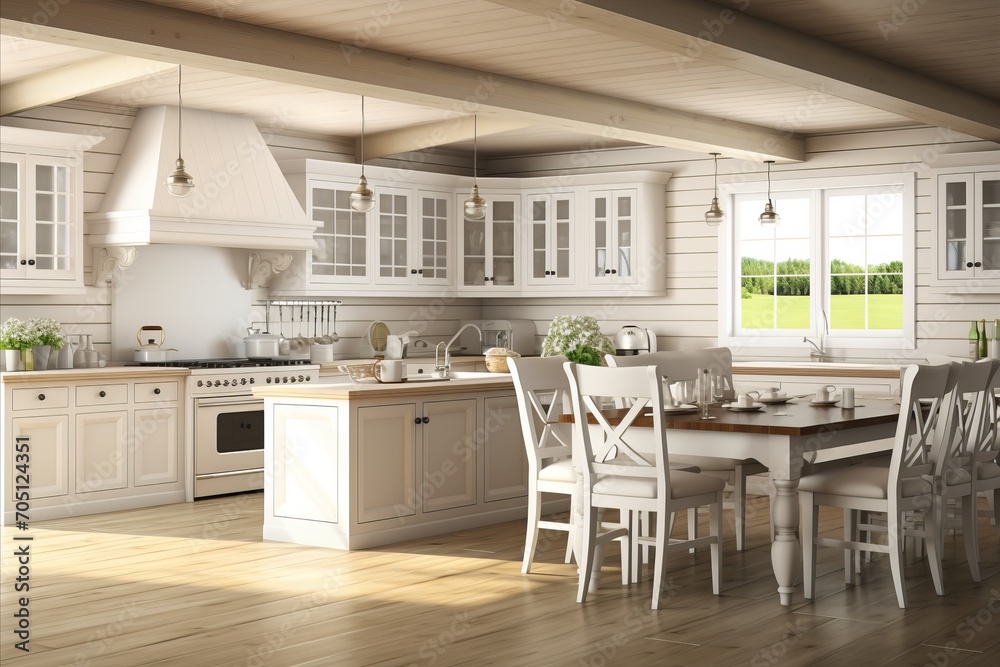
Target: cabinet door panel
(101,451)
(448,475)
(506,463)
(155,446)
(305,464)
(385,455)
(48,438)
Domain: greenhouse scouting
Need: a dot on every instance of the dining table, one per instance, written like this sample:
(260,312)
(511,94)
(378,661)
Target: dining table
(784,437)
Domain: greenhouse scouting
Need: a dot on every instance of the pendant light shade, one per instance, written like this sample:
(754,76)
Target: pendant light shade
(770,217)
(179,182)
(475,206)
(715,216)
(362,199)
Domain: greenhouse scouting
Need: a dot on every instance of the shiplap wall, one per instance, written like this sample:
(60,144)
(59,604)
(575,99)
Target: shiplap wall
(686,317)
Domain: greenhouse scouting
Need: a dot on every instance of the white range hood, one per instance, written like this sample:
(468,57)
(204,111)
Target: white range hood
(241,199)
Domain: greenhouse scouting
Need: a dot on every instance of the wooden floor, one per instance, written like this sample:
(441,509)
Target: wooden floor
(193,585)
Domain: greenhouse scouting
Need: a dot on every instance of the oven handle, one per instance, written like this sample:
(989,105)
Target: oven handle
(231,473)
(229,400)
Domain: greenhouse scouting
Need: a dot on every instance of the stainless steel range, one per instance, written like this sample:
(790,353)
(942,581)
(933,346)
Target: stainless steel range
(227,428)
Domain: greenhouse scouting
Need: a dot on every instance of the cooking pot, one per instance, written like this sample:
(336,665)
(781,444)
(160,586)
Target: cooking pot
(151,348)
(261,345)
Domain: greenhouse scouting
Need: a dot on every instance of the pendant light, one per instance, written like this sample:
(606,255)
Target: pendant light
(362,199)
(770,217)
(475,206)
(179,183)
(715,216)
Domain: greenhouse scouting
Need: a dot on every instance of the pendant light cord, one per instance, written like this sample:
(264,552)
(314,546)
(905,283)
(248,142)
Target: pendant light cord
(475,147)
(180,109)
(362,135)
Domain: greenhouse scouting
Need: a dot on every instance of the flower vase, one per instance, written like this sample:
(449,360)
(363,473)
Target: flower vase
(12,360)
(40,356)
(27,360)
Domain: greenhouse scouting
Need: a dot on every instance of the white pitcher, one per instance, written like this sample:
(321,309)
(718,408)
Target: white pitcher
(65,358)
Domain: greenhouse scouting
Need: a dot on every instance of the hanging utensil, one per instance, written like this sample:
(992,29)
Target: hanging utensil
(334,335)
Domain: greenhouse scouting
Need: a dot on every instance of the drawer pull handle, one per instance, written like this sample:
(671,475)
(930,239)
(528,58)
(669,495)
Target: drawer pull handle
(102,393)
(156,391)
(41,397)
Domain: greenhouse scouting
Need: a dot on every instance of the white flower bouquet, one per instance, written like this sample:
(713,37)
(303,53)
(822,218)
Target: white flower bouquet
(578,338)
(18,335)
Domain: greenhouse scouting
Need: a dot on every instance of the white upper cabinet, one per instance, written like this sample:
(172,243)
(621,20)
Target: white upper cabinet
(41,211)
(551,231)
(968,230)
(413,237)
(490,254)
(596,234)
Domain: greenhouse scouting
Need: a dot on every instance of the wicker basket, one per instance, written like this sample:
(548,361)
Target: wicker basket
(497,364)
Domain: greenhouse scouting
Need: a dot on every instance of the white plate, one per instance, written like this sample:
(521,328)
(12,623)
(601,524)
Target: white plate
(775,401)
(683,407)
(824,404)
(737,408)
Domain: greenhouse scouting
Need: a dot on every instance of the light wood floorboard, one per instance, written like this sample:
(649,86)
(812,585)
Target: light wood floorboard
(194,585)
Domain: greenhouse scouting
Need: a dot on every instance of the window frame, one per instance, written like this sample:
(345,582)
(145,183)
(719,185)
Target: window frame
(818,191)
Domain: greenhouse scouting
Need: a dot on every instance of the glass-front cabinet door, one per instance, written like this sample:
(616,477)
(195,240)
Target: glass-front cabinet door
(551,238)
(612,221)
(969,226)
(490,246)
(412,237)
(341,255)
(38,223)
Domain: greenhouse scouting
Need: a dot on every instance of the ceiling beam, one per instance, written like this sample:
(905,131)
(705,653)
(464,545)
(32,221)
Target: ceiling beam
(420,137)
(163,33)
(723,34)
(75,80)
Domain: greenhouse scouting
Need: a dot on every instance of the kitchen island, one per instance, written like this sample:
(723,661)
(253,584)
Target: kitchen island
(357,465)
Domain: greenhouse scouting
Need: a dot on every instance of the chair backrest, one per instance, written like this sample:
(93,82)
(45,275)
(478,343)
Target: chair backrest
(985,443)
(619,449)
(679,366)
(963,420)
(542,390)
(923,406)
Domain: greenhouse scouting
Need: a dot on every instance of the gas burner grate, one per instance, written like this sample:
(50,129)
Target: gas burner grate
(224,363)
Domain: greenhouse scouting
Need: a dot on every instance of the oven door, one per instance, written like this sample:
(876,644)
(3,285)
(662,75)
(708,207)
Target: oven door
(228,445)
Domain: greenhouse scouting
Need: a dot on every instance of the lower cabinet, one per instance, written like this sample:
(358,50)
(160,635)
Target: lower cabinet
(407,467)
(94,447)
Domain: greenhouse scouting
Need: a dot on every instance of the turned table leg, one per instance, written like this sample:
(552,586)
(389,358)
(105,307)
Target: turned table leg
(786,551)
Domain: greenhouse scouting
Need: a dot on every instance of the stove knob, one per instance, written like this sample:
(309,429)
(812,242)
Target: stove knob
(226,383)
(199,383)
(218,383)
(308,378)
(293,379)
(268,380)
(243,380)
(252,381)
(285,380)
(301,379)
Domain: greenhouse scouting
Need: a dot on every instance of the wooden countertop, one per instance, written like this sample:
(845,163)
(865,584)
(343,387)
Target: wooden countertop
(818,369)
(368,390)
(104,374)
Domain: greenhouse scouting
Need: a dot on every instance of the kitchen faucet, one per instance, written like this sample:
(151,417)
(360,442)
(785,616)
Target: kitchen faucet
(442,362)
(819,352)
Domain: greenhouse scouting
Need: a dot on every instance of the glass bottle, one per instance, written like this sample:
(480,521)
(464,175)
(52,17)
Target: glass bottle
(983,343)
(995,341)
(974,341)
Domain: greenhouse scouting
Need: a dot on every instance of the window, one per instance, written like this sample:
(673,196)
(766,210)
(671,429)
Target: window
(840,263)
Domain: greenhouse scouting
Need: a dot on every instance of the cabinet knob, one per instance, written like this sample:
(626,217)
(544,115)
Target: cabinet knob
(23,262)
(968,264)
(978,264)
(102,393)
(426,420)
(607,271)
(420,270)
(614,271)
(31,262)
(41,397)
(156,391)
(412,271)
(416,420)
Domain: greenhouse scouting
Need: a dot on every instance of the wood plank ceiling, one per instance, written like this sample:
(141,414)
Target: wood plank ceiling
(746,79)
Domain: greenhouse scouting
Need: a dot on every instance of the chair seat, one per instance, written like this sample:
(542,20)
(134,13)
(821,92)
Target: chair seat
(710,462)
(559,471)
(682,485)
(860,482)
(989,471)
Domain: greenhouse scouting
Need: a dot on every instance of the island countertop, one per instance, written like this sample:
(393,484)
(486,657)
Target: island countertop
(422,387)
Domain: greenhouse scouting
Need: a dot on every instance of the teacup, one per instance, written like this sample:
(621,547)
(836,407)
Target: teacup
(773,394)
(389,370)
(747,400)
(823,394)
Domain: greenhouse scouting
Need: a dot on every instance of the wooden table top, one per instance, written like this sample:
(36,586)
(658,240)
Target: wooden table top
(800,419)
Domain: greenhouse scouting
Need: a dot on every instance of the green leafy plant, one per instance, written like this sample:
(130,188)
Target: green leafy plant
(24,335)
(578,338)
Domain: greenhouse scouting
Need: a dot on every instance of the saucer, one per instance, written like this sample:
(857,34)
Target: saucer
(683,407)
(775,401)
(738,408)
(824,404)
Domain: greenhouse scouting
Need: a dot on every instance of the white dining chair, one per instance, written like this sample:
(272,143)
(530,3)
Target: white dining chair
(542,390)
(627,467)
(985,449)
(900,488)
(679,366)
